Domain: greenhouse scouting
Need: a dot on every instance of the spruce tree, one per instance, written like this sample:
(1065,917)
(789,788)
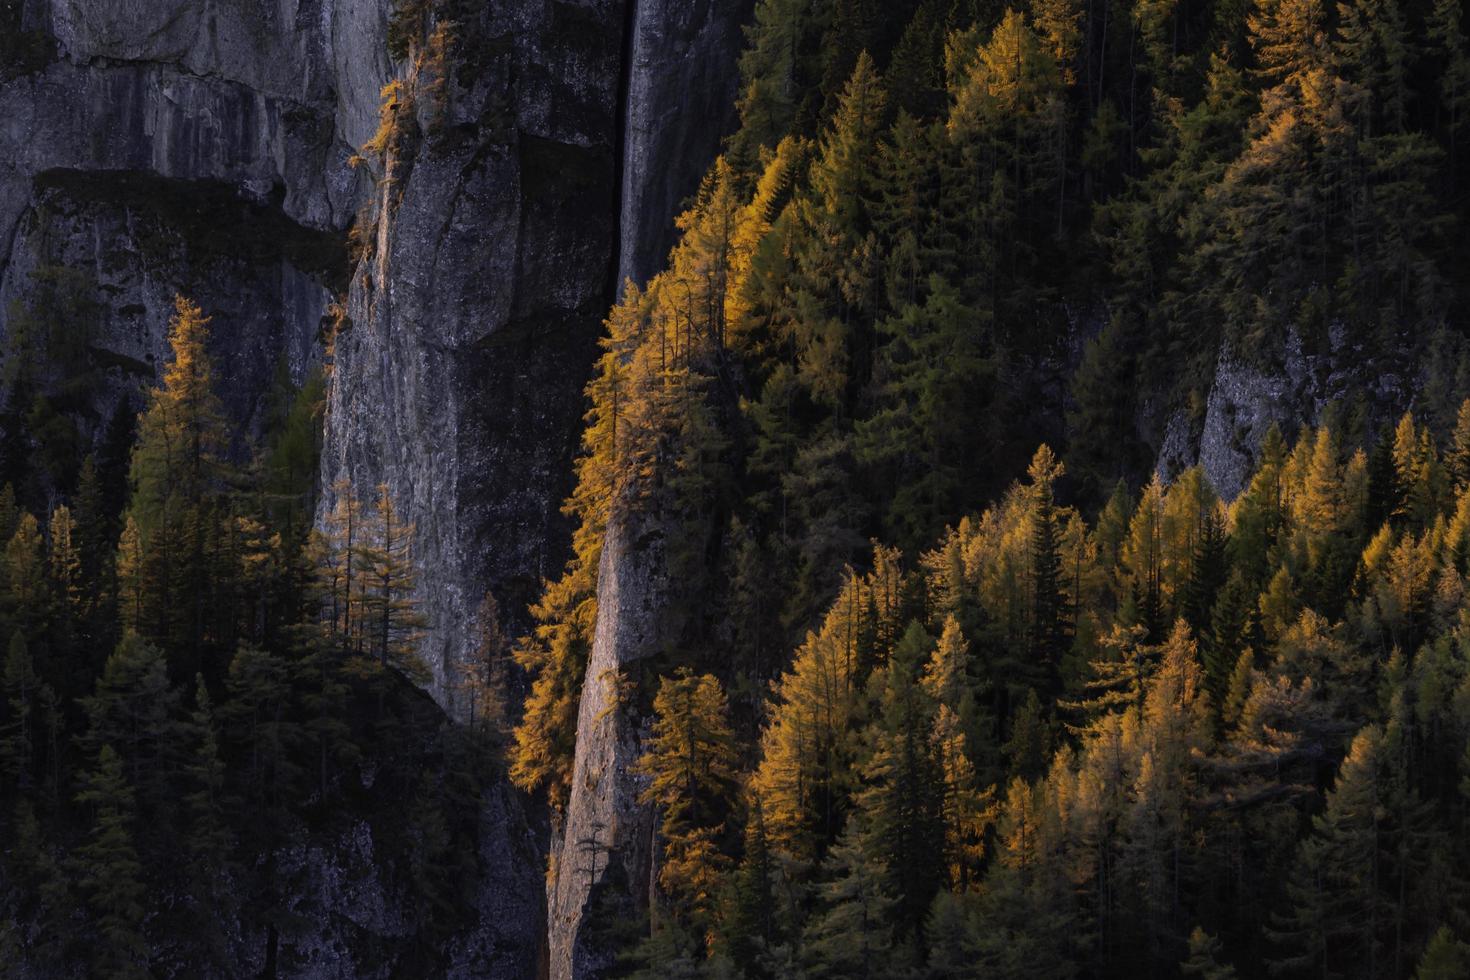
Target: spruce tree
(751,925)
(17,746)
(110,873)
(902,805)
(1337,916)
(851,936)
(1049,602)
(130,711)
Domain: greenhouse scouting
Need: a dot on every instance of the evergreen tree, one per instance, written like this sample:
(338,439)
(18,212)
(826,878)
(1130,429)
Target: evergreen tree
(1337,916)
(110,872)
(389,618)
(690,765)
(1049,606)
(750,926)
(176,477)
(29,595)
(1444,958)
(933,376)
(130,711)
(903,803)
(852,935)
(22,696)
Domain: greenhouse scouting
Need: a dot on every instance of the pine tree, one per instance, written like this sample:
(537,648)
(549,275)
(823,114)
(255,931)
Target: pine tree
(130,711)
(690,765)
(1337,916)
(110,872)
(852,936)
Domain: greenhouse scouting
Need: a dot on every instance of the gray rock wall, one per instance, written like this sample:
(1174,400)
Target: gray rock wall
(1246,399)
(564,149)
(172,145)
(606,834)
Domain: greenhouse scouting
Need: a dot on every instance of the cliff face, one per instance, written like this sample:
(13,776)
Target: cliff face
(539,180)
(151,148)
(602,860)
(552,164)
(1245,400)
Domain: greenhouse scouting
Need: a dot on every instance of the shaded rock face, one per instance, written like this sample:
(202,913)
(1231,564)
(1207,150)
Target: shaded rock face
(682,85)
(605,851)
(1245,400)
(353,919)
(555,162)
(173,146)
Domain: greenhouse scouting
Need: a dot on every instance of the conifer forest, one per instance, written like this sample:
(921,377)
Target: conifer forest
(734,489)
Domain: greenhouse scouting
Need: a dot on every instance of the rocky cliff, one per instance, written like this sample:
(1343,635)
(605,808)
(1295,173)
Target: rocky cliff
(1245,399)
(202,147)
(550,165)
(206,146)
(601,861)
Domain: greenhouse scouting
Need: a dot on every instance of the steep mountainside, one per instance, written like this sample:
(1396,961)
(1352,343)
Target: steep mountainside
(216,149)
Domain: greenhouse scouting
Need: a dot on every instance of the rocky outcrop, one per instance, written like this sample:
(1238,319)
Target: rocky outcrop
(681,95)
(353,919)
(206,147)
(1247,398)
(553,161)
(605,844)
(573,131)
(177,146)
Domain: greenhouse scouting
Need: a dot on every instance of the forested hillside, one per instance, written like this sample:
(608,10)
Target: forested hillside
(893,642)
(911,718)
(202,693)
